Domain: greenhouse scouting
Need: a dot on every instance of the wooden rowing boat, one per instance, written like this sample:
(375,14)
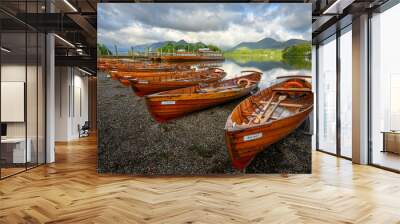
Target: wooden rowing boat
(156,84)
(142,67)
(171,104)
(105,64)
(130,75)
(123,77)
(181,67)
(267,117)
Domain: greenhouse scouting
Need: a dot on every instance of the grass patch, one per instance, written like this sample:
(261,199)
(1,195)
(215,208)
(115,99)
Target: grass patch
(244,55)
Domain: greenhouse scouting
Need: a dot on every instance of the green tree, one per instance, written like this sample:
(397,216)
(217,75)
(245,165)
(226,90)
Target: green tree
(170,47)
(213,48)
(300,50)
(298,56)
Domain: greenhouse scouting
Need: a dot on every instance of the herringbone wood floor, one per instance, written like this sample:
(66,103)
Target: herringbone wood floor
(70,191)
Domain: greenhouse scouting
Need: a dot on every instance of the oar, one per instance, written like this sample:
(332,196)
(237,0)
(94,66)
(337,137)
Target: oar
(219,88)
(186,78)
(257,119)
(268,116)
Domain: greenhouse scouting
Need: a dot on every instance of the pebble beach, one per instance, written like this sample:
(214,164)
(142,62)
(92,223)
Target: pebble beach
(130,141)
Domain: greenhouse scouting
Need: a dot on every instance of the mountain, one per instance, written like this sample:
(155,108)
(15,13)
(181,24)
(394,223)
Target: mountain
(181,42)
(292,42)
(153,46)
(266,43)
(269,43)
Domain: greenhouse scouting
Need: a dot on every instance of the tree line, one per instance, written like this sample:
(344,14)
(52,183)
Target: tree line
(188,47)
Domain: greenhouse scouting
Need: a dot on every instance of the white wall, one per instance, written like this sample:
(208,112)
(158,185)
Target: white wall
(9,73)
(13,100)
(13,72)
(80,110)
(62,81)
(33,127)
(71,94)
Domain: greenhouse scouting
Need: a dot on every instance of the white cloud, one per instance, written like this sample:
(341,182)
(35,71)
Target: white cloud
(225,26)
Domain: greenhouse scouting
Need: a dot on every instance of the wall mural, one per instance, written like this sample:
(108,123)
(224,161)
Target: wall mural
(196,89)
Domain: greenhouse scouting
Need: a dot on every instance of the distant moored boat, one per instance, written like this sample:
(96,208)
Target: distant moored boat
(201,55)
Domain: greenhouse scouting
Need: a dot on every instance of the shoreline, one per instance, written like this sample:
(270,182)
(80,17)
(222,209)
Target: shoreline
(131,142)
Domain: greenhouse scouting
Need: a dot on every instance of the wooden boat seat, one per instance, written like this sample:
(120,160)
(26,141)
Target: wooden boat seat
(218,89)
(247,113)
(303,90)
(249,118)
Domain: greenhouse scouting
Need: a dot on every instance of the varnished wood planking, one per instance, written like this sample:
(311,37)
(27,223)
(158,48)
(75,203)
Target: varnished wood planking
(186,100)
(144,75)
(70,191)
(247,119)
(153,84)
(115,64)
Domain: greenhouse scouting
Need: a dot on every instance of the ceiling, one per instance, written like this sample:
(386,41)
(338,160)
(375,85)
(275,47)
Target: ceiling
(76,22)
(331,15)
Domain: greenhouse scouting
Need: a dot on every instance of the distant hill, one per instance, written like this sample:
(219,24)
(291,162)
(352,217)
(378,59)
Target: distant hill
(269,43)
(154,46)
(266,43)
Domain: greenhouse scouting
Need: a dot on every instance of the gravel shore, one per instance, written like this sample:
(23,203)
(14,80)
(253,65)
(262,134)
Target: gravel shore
(131,142)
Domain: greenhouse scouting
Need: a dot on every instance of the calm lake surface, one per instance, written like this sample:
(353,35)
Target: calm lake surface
(270,69)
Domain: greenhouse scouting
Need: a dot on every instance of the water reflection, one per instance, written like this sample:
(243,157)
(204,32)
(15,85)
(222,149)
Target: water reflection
(264,65)
(270,70)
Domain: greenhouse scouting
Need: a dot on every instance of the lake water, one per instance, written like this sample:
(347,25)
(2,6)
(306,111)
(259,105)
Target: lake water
(270,70)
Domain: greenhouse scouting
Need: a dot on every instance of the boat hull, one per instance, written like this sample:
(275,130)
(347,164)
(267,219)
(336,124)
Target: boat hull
(142,89)
(144,75)
(243,145)
(245,139)
(124,82)
(166,108)
(138,67)
(128,69)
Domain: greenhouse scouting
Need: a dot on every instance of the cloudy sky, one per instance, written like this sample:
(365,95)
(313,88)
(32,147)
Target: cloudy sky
(224,25)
